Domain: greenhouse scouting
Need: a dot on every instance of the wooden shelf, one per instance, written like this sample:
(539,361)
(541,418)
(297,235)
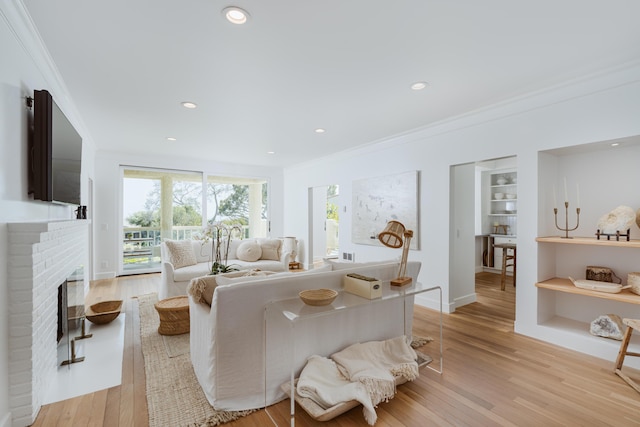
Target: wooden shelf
(591,241)
(565,285)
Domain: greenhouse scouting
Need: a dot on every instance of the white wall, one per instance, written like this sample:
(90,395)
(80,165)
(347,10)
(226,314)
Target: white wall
(25,68)
(596,109)
(107,216)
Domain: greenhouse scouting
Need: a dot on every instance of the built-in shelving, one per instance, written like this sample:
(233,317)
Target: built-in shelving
(592,241)
(564,285)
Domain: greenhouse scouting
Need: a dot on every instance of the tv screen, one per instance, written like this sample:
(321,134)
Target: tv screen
(56,153)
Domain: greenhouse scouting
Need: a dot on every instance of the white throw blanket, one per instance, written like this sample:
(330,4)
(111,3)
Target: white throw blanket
(376,364)
(322,382)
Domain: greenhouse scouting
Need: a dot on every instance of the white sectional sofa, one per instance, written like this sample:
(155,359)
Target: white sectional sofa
(241,350)
(179,268)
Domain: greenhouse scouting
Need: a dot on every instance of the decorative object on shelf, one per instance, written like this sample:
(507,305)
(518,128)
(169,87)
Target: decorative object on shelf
(633,280)
(617,235)
(602,274)
(595,285)
(500,229)
(363,286)
(395,235)
(318,297)
(607,326)
(498,196)
(510,196)
(616,221)
(501,180)
(566,228)
(81,212)
(104,312)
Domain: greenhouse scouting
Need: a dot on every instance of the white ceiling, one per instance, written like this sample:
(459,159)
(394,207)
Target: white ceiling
(345,66)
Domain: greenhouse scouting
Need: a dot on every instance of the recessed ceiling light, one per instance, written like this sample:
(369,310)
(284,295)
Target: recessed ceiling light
(419,85)
(170,138)
(189,104)
(615,144)
(319,130)
(235,15)
(271,152)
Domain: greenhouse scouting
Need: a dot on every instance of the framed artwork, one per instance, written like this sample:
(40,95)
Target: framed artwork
(378,200)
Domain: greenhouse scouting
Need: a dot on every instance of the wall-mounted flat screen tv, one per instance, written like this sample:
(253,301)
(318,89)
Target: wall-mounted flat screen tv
(55,153)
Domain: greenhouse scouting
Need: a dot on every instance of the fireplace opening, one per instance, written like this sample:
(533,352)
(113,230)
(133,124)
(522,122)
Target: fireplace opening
(63,312)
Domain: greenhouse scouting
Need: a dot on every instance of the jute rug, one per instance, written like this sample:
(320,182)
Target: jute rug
(174,397)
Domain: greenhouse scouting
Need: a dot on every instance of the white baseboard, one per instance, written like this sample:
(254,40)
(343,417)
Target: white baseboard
(467,299)
(106,275)
(430,300)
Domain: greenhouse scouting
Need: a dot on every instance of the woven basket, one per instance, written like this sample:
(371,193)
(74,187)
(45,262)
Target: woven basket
(104,312)
(318,296)
(633,279)
(174,315)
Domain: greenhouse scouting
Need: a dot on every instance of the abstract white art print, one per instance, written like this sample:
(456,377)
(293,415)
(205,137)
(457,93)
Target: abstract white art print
(378,200)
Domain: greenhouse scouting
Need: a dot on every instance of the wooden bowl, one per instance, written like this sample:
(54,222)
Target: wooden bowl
(318,296)
(104,312)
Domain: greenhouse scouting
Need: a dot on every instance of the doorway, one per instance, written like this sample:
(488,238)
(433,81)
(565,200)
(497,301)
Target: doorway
(483,213)
(324,202)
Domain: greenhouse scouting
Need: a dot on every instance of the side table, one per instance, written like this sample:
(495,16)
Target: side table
(294,310)
(174,315)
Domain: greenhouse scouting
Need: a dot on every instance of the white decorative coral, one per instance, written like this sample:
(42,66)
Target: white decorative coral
(607,326)
(619,219)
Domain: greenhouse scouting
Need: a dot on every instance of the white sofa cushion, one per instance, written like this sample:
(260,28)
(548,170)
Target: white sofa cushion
(270,249)
(181,253)
(249,251)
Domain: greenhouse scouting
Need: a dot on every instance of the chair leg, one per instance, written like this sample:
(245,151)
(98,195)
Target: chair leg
(503,277)
(620,360)
(514,266)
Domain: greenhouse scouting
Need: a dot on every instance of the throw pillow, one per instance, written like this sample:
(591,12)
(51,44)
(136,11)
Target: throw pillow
(201,289)
(270,249)
(249,251)
(181,253)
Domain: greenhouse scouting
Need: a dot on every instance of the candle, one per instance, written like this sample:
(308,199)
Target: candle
(577,195)
(566,196)
(555,202)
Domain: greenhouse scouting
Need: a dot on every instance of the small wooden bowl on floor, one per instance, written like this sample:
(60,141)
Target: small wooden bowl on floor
(318,296)
(104,312)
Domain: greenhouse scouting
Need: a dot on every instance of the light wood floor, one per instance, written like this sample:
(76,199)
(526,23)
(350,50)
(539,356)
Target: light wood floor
(492,376)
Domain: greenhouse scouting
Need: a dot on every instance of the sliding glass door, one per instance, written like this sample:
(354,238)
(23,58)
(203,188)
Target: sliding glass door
(157,204)
(167,204)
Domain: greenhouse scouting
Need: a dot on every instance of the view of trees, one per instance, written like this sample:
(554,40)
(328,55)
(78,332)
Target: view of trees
(230,203)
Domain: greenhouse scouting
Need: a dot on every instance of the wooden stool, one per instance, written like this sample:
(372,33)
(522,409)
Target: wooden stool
(508,260)
(174,315)
(631,325)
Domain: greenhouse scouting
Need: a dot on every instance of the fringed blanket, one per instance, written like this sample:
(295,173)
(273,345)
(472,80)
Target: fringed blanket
(322,382)
(376,364)
(364,372)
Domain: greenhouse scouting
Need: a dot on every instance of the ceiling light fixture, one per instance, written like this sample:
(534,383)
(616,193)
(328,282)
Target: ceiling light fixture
(319,130)
(615,144)
(271,152)
(170,138)
(419,85)
(235,15)
(190,105)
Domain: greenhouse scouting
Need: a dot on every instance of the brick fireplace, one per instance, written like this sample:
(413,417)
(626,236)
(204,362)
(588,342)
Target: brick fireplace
(41,257)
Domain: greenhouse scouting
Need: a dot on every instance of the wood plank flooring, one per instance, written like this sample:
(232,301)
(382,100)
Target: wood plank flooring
(492,376)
